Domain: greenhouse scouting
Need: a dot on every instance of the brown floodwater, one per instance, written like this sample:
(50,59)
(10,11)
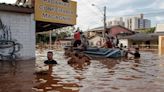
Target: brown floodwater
(101,75)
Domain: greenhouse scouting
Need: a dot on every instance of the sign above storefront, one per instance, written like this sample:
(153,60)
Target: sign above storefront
(56,11)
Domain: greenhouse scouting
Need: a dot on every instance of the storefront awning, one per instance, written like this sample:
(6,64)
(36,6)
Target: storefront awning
(47,26)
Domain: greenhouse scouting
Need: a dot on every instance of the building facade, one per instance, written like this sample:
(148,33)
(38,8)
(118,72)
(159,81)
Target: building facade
(159,28)
(137,22)
(96,41)
(133,22)
(113,30)
(115,21)
(17,33)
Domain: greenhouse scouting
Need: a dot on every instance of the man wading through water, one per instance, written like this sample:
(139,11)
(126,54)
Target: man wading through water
(50,58)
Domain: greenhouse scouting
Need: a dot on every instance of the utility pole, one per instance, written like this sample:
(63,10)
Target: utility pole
(103,33)
(50,40)
(104,20)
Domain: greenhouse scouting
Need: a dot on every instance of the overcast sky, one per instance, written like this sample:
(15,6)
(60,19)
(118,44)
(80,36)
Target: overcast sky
(91,16)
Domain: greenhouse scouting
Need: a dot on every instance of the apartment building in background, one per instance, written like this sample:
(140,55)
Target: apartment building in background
(137,22)
(115,22)
(131,22)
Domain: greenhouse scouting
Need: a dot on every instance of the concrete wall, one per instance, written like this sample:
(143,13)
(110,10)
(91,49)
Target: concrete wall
(22,29)
(160,28)
(90,34)
(125,42)
(161,45)
(96,41)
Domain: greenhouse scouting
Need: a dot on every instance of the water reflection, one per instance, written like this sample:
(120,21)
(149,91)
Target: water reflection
(50,82)
(16,76)
(102,75)
(80,66)
(105,75)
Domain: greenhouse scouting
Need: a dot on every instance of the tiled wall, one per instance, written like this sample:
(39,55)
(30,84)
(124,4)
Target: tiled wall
(22,28)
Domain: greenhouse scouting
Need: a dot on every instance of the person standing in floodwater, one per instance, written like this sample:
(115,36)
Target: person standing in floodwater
(50,58)
(77,39)
(136,54)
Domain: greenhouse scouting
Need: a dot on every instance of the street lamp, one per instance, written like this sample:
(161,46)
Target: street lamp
(104,15)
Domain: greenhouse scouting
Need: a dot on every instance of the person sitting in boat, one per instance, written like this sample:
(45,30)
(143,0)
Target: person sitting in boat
(50,58)
(136,54)
(116,41)
(108,35)
(84,43)
(108,43)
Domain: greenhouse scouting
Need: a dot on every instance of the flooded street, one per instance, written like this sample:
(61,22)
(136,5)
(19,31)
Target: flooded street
(98,36)
(103,75)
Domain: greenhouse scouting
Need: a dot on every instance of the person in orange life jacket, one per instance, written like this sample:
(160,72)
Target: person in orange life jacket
(77,39)
(50,58)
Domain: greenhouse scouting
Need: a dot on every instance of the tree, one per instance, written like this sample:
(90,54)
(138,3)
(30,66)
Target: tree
(64,32)
(149,30)
(56,34)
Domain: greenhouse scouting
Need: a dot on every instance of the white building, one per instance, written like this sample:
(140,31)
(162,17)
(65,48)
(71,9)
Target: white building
(159,28)
(115,21)
(137,22)
(160,32)
(131,22)
(96,41)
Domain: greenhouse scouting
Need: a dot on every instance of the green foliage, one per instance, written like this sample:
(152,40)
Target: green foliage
(56,34)
(42,38)
(62,35)
(150,30)
(64,32)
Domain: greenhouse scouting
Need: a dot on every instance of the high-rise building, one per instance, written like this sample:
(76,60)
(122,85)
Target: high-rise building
(137,22)
(115,21)
(131,22)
